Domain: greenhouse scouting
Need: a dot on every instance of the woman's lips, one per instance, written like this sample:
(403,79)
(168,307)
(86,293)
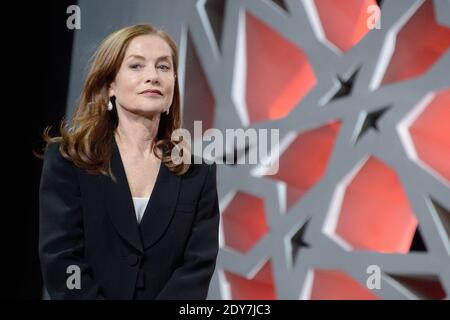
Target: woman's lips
(151,94)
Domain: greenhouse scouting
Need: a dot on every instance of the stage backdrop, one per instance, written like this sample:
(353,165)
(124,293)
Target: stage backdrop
(360,206)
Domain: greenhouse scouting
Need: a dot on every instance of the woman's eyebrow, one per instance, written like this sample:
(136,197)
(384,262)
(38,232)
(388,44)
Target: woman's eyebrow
(136,56)
(143,58)
(167,58)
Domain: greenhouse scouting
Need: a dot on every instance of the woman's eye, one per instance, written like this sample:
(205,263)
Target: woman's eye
(164,67)
(136,66)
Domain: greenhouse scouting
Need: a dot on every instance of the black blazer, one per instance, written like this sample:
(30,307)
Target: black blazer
(89,221)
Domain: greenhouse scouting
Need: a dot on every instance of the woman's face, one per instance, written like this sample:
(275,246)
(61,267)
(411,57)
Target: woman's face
(147,65)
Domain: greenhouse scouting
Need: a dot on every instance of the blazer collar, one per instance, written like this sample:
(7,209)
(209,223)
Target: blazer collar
(159,210)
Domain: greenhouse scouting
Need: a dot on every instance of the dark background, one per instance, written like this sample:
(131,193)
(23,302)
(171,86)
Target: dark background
(50,77)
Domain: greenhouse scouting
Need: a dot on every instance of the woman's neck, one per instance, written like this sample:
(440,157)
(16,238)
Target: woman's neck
(137,134)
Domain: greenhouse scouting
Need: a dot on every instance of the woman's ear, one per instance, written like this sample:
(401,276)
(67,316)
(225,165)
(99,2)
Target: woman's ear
(111,91)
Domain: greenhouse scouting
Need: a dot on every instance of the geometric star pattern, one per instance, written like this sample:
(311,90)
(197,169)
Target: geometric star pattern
(371,176)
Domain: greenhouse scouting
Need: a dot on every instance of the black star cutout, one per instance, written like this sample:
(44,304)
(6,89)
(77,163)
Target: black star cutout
(215,11)
(281,4)
(346,86)
(368,121)
(423,286)
(297,241)
(418,245)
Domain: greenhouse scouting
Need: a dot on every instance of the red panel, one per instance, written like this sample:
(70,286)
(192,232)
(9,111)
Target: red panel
(261,287)
(344,22)
(375,213)
(419,44)
(278,73)
(337,285)
(304,162)
(431,134)
(244,222)
(198,99)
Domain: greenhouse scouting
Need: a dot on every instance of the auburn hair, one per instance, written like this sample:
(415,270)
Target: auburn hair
(87,139)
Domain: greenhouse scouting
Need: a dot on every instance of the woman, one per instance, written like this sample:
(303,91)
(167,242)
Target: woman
(119,218)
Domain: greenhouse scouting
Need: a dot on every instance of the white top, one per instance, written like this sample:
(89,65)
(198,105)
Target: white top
(139,207)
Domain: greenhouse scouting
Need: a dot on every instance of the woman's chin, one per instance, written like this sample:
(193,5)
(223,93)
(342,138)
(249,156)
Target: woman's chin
(150,111)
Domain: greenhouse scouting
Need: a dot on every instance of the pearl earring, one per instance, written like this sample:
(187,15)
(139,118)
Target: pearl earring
(110,105)
(167,111)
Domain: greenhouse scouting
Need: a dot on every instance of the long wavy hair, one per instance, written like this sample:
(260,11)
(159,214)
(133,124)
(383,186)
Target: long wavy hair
(87,139)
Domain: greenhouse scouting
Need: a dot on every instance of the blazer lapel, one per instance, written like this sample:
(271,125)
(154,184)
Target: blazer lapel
(117,196)
(161,207)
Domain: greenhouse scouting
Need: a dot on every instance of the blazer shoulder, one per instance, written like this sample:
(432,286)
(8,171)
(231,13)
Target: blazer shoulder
(54,160)
(52,153)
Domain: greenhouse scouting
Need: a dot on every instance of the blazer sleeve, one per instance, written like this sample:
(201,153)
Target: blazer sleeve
(61,235)
(191,280)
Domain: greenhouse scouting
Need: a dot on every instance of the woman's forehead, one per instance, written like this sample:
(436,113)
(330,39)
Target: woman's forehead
(149,47)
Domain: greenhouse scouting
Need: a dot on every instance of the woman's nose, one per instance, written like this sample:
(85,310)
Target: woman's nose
(152,76)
